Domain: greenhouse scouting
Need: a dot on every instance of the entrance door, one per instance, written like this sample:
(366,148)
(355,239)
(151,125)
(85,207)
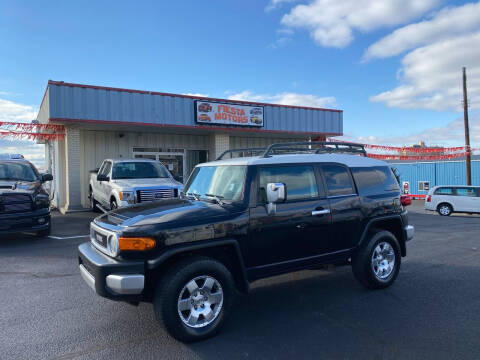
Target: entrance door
(174,163)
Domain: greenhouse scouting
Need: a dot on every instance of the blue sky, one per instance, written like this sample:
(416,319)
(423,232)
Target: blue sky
(387,64)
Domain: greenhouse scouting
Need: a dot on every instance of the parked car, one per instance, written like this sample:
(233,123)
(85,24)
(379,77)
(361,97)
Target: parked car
(256,120)
(449,199)
(243,219)
(124,182)
(204,117)
(24,202)
(204,107)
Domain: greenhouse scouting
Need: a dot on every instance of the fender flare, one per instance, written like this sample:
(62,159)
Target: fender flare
(164,256)
(371,223)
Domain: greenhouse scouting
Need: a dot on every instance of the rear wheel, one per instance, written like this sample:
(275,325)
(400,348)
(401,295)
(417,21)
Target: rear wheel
(193,299)
(377,263)
(445,209)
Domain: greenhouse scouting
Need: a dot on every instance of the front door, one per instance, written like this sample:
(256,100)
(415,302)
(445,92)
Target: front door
(293,233)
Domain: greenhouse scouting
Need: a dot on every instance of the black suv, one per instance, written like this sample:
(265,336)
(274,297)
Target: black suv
(24,203)
(296,206)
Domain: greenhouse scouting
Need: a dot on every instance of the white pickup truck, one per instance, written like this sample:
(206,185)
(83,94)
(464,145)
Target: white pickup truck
(124,182)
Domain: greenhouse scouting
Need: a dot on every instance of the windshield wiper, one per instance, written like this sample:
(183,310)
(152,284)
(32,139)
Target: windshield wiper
(217,198)
(195,195)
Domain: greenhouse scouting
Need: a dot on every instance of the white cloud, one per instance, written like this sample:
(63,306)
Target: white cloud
(447,23)
(286,98)
(273,4)
(11,111)
(15,112)
(332,22)
(450,135)
(196,94)
(432,76)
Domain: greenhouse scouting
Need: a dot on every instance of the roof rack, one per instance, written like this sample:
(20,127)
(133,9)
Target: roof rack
(241,150)
(315,147)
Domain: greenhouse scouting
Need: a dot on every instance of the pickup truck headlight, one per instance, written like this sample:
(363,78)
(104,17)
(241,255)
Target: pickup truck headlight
(127,196)
(42,201)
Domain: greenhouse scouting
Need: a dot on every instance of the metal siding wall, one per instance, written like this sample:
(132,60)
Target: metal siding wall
(438,173)
(109,105)
(245,142)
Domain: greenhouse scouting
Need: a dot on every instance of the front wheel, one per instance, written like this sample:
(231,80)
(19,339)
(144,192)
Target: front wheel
(377,263)
(113,204)
(193,299)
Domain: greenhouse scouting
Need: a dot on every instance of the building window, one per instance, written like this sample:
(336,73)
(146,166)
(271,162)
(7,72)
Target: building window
(424,185)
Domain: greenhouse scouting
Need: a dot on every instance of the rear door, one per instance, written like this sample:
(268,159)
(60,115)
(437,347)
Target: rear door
(465,199)
(345,206)
(301,226)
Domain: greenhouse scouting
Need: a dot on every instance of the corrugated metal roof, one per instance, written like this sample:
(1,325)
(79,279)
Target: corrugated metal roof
(100,104)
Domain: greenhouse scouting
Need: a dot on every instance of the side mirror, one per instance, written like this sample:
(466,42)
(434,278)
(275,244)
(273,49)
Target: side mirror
(102,178)
(275,194)
(47,177)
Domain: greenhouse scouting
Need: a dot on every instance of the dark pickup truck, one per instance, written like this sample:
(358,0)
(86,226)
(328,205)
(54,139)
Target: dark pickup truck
(24,203)
(294,207)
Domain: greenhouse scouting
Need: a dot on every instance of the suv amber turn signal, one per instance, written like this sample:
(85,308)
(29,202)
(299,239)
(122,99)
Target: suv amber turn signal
(136,243)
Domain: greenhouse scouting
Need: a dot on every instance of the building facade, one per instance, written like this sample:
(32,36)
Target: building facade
(178,130)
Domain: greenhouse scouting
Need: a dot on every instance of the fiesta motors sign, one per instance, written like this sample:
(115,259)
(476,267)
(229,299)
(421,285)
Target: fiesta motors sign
(207,112)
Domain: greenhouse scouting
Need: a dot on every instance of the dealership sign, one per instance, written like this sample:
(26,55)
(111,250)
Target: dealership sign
(207,112)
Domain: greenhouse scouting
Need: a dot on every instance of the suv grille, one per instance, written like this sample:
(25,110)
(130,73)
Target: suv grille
(154,194)
(10,203)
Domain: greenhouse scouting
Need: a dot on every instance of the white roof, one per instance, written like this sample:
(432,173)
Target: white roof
(349,160)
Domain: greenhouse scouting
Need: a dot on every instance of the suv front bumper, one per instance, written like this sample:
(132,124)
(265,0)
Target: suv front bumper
(110,278)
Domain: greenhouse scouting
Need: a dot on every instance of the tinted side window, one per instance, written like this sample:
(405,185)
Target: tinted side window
(444,191)
(466,192)
(300,181)
(338,180)
(374,180)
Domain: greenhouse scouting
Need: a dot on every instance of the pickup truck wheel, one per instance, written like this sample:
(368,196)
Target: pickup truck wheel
(377,262)
(93,202)
(113,204)
(194,297)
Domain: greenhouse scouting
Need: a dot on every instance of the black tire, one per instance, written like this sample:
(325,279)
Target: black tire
(93,202)
(46,232)
(113,204)
(171,287)
(363,264)
(444,209)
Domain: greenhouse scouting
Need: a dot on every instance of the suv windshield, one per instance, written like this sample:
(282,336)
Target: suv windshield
(225,182)
(17,171)
(139,170)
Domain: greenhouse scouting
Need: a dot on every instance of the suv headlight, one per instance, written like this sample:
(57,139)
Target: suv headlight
(112,245)
(42,201)
(127,196)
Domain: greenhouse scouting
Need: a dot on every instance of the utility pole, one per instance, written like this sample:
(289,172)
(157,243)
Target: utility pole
(468,161)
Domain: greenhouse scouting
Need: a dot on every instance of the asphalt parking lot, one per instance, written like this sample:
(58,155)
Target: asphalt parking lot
(432,311)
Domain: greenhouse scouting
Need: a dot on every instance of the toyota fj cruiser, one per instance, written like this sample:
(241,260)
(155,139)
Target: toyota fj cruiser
(296,206)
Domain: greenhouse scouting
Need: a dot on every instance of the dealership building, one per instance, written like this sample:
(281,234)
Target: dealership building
(178,130)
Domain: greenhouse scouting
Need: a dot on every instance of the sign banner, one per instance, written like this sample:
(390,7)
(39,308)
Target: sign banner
(207,112)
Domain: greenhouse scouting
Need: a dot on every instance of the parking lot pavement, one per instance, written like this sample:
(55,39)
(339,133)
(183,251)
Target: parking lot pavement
(432,311)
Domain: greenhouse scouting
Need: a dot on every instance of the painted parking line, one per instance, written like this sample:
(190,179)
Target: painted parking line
(68,237)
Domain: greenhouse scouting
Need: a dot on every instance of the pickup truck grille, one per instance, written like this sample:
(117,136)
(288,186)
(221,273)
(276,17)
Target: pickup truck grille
(154,194)
(10,203)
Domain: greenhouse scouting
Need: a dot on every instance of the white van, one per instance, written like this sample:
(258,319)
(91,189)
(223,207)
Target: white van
(455,198)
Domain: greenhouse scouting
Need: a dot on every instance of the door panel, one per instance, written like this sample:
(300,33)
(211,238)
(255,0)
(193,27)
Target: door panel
(292,233)
(346,222)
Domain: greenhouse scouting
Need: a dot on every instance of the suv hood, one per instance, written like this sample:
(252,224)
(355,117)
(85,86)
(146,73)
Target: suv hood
(145,183)
(174,212)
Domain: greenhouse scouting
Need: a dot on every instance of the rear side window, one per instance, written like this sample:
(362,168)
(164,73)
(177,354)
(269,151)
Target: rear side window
(300,181)
(375,180)
(338,180)
(444,191)
(466,192)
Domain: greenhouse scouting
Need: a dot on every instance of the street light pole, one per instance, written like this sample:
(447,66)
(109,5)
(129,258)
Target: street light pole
(468,160)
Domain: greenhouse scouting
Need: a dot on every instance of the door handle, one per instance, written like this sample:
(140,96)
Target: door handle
(320,212)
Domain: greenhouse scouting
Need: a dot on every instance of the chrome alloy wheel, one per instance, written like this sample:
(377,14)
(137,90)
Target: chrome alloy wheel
(200,301)
(444,210)
(383,260)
